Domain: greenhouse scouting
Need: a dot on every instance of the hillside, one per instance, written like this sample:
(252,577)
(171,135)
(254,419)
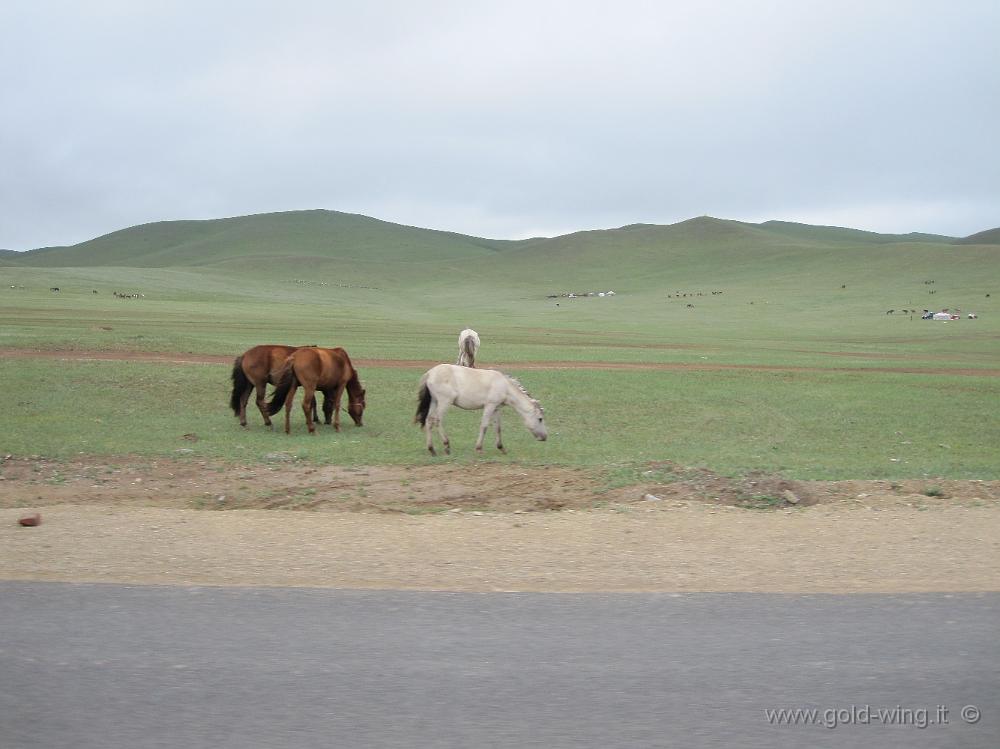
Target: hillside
(810,233)
(990,236)
(262,238)
(705,254)
(700,254)
(10,257)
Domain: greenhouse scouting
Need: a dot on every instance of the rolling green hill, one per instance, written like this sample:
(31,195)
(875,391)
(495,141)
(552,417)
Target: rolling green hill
(707,254)
(839,234)
(10,257)
(990,236)
(259,238)
(331,235)
(701,255)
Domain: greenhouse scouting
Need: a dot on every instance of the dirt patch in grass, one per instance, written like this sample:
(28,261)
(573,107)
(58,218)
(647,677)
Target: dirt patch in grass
(187,358)
(283,483)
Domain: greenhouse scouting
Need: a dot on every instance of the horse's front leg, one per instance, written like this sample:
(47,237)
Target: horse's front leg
(337,395)
(484,424)
(288,409)
(327,408)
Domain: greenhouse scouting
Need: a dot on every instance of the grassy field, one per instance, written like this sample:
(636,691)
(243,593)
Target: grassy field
(815,425)
(854,393)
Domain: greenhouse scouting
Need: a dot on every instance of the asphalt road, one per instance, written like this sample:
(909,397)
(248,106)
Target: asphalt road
(114,666)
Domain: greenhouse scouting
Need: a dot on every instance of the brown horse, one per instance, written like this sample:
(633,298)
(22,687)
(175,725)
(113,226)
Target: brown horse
(328,370)
(257,368)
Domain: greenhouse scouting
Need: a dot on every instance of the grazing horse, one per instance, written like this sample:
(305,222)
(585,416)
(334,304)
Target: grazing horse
(449,384)
(468,347)
(256,368)
(326,369)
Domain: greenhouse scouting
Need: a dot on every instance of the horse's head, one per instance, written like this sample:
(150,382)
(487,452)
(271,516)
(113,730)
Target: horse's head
(535,421)
(356,406)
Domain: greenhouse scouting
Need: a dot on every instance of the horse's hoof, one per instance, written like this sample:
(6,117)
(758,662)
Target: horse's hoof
(432,451)
(502,449)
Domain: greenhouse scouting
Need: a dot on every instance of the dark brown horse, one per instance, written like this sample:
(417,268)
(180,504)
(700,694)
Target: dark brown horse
(328,370)
(257,368)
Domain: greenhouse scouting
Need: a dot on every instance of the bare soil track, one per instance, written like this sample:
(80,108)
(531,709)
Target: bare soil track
(187,358)
(490,526)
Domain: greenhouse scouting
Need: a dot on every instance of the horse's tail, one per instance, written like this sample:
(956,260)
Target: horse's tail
(469,346)
(284,382)
(423,403)
(241,383)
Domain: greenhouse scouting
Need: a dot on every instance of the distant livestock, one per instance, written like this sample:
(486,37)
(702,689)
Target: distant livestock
(576,294)
(684,295)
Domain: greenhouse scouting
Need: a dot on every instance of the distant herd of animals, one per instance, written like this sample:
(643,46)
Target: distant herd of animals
(331,372)
(571,295)
(944,314)
(119,294)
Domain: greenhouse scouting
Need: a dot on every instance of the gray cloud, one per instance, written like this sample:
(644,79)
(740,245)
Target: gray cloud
(498,119)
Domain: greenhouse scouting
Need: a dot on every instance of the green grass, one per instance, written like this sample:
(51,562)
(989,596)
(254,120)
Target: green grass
(761,502)
(787,325)
(810,425)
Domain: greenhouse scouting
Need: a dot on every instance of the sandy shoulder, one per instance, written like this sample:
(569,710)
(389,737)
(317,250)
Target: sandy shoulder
(662,546)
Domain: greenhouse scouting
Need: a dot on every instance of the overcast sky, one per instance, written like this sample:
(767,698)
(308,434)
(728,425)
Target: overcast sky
(503,119)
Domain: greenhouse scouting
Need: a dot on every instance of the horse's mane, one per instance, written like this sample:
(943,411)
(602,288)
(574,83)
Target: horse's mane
(523,389)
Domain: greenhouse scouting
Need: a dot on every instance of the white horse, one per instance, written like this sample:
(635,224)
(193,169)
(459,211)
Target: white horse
(449,384)
(468,347)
